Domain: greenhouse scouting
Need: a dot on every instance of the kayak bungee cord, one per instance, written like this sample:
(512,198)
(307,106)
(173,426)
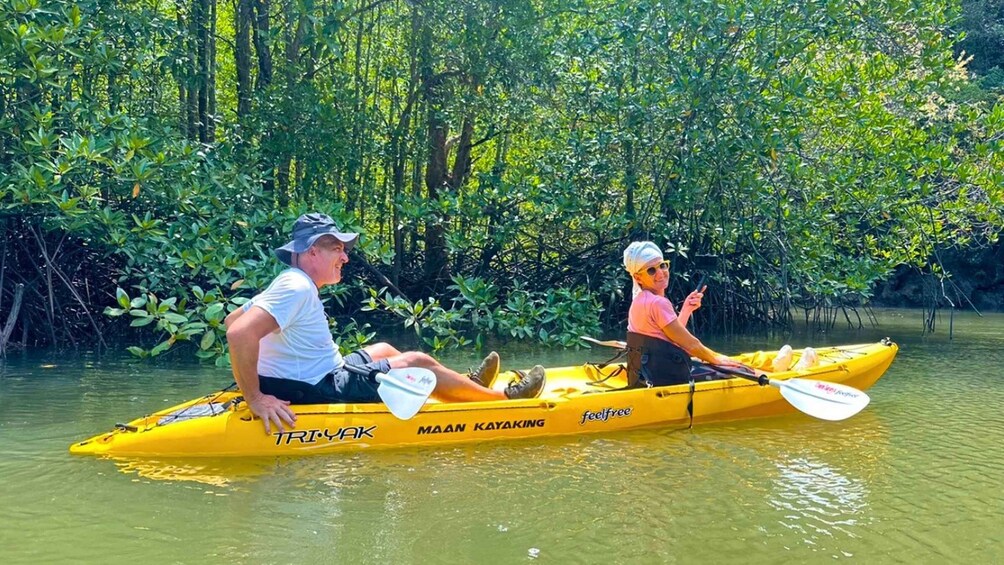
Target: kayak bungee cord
(857,351)
(185,413)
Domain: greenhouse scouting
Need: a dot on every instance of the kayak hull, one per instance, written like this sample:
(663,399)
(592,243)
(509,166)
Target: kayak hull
(574,402)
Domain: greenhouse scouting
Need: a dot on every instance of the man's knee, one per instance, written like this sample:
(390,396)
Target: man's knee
(415,359)
(382,350)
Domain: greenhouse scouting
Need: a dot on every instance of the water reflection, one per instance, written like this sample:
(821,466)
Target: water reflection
(212,472)
(817,496)
(822,479)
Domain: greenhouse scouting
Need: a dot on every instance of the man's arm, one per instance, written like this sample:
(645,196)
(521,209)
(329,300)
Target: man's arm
(244,332)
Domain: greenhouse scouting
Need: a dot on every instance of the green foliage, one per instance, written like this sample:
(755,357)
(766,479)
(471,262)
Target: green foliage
(422,317)
(497,155)
(199,322)
(553,317)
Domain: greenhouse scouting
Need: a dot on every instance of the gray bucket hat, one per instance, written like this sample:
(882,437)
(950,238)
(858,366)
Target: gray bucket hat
(307,229)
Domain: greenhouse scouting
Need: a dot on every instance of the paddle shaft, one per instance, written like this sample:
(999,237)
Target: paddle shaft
(700,283)
(762,380)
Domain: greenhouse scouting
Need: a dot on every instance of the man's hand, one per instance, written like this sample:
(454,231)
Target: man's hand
(271,409)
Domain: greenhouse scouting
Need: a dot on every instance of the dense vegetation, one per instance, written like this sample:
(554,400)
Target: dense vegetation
(497,154)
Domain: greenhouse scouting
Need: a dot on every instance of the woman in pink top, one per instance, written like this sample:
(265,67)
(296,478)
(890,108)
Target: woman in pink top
(652,314)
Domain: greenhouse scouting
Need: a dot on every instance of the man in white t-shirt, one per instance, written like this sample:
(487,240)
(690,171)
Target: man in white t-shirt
(282,351)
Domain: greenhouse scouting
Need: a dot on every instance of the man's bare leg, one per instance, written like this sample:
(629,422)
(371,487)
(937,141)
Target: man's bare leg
(382,350)
(451,386)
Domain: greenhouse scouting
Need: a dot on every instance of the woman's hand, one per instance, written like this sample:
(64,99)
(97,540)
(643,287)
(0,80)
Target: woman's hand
(693,300)
(725,361)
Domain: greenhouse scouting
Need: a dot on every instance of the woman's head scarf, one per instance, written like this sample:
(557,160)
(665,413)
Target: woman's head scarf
(636,256)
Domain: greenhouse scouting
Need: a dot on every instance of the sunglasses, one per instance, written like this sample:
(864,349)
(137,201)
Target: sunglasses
(651,270)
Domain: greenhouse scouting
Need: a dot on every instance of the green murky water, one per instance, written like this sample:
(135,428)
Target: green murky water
(914,478)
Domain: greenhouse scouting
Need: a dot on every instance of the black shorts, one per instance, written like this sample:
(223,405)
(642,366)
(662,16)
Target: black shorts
(337,387)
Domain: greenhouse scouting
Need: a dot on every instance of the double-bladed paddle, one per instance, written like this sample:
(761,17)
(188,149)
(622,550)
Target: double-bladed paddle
(820,399)
(404,391)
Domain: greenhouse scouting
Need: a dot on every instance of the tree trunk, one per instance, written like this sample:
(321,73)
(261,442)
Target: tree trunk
(184,89)
(242,56)
(211,77)
(264,79)
(261,44)
(493,213)
(8,327)
(462,161)
(355,156)
(436,183)
(400,140)
(200,12)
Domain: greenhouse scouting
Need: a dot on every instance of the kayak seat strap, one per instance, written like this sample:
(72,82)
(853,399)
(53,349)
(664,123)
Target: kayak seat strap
(600,366)
(690,405)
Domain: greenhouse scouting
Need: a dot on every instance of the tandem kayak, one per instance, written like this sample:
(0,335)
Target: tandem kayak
(578,399)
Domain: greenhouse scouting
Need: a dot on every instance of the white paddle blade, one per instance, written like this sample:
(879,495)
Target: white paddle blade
(405,391)
(826,401)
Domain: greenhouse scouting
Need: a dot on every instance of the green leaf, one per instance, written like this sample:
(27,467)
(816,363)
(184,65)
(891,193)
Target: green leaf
(140,322)
(113,312)
(215,312)
(137,351)
(122,297)
(175,318)
(160,348)
(208,339)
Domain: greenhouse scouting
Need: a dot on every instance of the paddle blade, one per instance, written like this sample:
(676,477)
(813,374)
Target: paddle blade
(617,344)
(823,400)
(405,391)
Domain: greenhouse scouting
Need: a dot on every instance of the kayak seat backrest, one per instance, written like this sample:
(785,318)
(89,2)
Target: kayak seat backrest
(655,362)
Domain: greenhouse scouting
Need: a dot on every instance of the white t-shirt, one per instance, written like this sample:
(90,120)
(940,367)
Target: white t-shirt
(302,348)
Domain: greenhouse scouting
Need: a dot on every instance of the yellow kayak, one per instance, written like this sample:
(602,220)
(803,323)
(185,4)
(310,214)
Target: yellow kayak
(579,399)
